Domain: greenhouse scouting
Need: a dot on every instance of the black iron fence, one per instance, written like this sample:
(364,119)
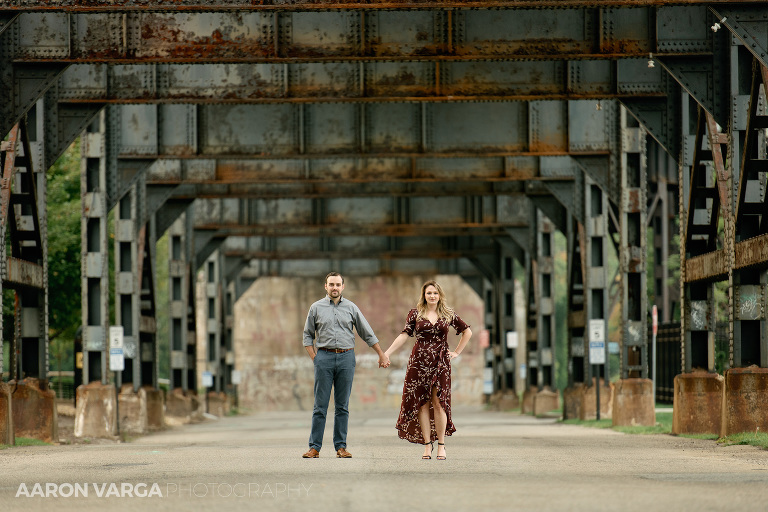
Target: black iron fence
(669,359)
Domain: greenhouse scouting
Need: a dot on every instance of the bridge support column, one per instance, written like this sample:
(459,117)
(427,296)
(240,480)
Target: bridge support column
(633,401)
(7,434)
(746,382)
(182,405)
(587,297)
(96,398)
(216,400)
(540,334)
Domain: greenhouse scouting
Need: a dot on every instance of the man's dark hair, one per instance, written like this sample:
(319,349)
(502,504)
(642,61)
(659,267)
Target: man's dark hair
(334,274)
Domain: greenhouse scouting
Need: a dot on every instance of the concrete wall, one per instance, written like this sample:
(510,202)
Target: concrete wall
(277,373)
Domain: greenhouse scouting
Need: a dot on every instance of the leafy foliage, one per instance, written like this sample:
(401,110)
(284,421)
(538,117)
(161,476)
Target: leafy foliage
(64,212)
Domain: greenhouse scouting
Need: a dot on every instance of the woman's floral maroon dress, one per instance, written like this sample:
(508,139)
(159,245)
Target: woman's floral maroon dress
(429,365)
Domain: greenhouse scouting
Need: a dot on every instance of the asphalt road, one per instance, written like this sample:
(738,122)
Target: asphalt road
(496,461)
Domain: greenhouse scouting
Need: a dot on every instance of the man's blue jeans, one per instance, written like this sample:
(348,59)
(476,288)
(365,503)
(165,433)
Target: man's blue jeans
(337,371)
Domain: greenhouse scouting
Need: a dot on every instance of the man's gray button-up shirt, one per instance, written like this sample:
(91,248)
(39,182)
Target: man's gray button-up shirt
(333,323)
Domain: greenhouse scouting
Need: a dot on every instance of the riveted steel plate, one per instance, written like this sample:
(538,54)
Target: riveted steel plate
(479,127)
(393,126)
(750,302)
(685,28)
(238,129)
(699,315)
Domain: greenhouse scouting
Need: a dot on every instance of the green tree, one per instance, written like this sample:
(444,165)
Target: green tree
(64,212)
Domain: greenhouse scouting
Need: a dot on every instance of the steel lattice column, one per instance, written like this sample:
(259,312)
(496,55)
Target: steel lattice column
(749,342)
(595,254)
(698,236)
(182,342)
(227,341)
(632,251)
(661,217)
(213,308)
(95,267)
(633,400)
(127,285)
(541,312)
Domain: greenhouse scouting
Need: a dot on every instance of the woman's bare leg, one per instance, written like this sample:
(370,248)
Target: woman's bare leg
(425,427)
(441,422)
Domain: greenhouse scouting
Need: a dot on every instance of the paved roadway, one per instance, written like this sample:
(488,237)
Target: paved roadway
(496,461)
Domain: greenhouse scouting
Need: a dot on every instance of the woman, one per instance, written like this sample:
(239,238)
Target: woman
(425,413)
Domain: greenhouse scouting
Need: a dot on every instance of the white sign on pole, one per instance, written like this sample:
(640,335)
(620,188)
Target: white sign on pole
(116,356)
(207,380)
(236,377)
(511,339)
(597,341)
(115,336)
(523,371)
(116,359)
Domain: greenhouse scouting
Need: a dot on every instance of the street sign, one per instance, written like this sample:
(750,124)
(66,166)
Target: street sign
(207,380)
(115,336)
(596,352)
(511,339)
(116,356)
(597,341)
(236,376)
(116,360)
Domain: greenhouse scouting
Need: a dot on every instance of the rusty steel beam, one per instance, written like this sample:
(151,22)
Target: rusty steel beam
(24,273)
(222,230)
(713,266)
(350,189)
(237,35)
(435,254)
(323,5)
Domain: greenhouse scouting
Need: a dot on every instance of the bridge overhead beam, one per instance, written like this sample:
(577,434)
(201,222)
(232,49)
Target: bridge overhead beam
(350,130)
(368,81)
(583,30)
(386,216)
(361,267)
(361,247)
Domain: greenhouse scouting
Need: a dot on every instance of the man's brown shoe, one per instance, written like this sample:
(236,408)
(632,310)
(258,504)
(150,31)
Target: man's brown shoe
(342,453)
(311,454)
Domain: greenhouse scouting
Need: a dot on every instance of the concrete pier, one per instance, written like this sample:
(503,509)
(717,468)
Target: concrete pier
(633,403)
(34,410)
(96,412)
(6,415)
(746,400)
(698,403)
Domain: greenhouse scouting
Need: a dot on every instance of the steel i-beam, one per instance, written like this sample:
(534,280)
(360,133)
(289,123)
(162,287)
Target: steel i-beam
(546,312)
(213,310)
(749,335)
(182,342)
(95,267)
(632,251)
(127,286)
(25,270)
(633,401)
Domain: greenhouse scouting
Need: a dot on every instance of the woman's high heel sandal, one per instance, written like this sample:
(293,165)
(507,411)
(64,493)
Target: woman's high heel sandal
(440,457)
(431,447)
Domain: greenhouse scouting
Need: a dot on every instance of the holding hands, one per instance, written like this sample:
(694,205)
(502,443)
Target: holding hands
(384,361)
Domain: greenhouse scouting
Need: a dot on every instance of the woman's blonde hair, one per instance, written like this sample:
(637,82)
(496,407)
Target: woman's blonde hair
(444,311)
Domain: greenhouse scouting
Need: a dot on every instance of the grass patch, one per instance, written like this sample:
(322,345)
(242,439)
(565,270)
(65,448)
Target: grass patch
(663,425)
(25,441)
(707,437)
(759,439)
(607,423)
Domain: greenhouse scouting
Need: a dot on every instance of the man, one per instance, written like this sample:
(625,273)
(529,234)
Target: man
(332,319)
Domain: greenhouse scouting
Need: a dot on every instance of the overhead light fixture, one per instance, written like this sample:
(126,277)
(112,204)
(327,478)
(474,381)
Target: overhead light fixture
(650,61)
